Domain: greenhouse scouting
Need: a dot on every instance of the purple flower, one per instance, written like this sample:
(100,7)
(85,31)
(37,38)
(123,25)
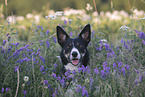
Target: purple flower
(74,72)
(78,89)
(114,65)
(42,68)
(41,28)
(137,71)
(38,50)
(80,69)
(55,93)
(125,45)
(22,48)
(20,61)
(104,65)
(84,68)
(59,78)
(32,43)
(2,90)
(88,69)
(4,42)
(96,70)
(69,77)
(54,39)
(38,27)
(65,22)
(141,35)
(9,22)
(71,34)
(43,72)
(9,49)
(7,89)
(127,67)
(62,81)
(93,32)
(3,51)
(54,75)
(8,38)
(143,42)
(140,78)
(137,31)
(91,81)
(97,48)
(42,58)
(25,59)
(55,65)
(26,46)
(49,86)
(84,92)
(16,44)
(107,69)
(100,48)
(16,67)
(24,92)
(108,55)
(45,82)
(7,34)
(107,46)
(47,32)
(41,43)
(136,81)
(102,73)
(123,70)
(47,43)
(122,41)
(128,42)
(120,64)
(29,50)
(67,73)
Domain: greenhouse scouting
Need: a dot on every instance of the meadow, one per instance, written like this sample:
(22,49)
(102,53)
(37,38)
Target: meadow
(29,55)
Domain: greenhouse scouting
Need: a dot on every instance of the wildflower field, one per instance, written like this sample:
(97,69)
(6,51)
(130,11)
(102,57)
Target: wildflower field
(29,55)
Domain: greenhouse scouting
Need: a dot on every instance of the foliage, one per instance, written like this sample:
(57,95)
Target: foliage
(17,7)
(30,64)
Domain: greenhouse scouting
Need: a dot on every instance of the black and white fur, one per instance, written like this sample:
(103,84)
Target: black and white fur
(74,50)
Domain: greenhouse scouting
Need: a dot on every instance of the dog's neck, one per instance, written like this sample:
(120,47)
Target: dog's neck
(71,67)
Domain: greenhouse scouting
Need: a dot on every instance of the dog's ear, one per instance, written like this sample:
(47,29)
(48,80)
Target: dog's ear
(86,34)
(61,35)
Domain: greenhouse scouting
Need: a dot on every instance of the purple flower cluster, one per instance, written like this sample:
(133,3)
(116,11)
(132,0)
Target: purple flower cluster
(141,35)
(7,90)
(111,65)
(83,90)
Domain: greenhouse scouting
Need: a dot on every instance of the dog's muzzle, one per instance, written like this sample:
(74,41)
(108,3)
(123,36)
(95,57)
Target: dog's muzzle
(75,60)
(75,57)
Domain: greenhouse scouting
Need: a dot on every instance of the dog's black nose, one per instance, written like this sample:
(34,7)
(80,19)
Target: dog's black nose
(74,54)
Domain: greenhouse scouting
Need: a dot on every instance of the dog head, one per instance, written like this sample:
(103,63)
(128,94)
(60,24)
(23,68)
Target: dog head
(74,50)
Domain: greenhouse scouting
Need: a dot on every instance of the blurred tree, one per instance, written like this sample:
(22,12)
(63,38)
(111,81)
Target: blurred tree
(22,7)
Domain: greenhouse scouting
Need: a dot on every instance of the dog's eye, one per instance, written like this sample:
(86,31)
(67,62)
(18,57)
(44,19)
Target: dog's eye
(79,45)
(68,46)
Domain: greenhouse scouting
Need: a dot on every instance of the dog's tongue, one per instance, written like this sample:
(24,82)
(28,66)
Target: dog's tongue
(75,62)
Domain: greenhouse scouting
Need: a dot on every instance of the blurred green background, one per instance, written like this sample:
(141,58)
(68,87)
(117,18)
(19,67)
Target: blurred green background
(22,7)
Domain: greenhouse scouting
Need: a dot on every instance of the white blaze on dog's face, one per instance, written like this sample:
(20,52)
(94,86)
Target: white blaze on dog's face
(75,56)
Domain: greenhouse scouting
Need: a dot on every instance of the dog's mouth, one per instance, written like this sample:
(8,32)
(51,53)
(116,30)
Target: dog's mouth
(75,61)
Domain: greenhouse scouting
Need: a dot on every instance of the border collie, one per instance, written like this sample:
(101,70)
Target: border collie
(74,51)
